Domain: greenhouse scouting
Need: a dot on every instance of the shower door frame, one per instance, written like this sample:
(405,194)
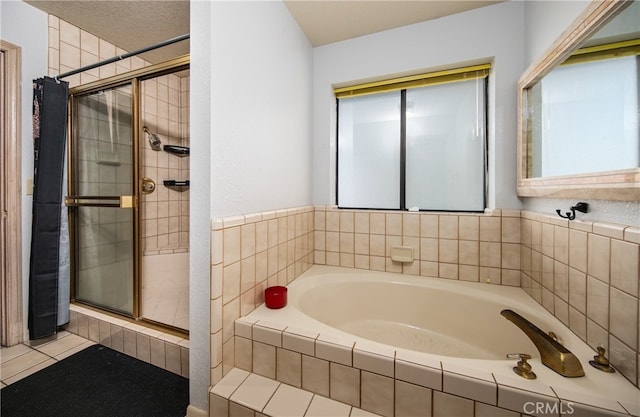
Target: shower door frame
(133,78)
(11,309)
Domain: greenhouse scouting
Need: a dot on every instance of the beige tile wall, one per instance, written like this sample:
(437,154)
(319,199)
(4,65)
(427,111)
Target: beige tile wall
(468,247)
(586,274)
(165,107)
(71,48)
(248,254)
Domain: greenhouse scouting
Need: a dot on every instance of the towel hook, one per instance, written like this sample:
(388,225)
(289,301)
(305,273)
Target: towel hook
(581,207)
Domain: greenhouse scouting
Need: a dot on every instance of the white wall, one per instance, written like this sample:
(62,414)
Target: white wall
(26,26)
(544,23)
(260,108)
(491,33)
(199,205)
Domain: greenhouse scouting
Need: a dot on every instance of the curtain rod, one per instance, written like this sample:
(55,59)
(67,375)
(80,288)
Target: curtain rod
(123,56)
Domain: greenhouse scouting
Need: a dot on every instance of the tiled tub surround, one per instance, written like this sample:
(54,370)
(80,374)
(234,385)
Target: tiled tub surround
(248,254)
(163,350)
(587,274)
(574,268)
(486,248)
(291,347)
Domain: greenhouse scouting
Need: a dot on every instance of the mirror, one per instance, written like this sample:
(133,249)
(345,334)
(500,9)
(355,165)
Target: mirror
(578,110)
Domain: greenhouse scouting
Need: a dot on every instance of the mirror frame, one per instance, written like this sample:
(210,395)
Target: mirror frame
(622,185)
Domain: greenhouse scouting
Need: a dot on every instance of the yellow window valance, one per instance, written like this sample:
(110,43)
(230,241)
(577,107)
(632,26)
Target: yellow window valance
(605,51)
(415,81)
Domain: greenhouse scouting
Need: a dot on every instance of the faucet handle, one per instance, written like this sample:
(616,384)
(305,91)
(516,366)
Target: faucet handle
(554,337)
(523,367)
(601,362)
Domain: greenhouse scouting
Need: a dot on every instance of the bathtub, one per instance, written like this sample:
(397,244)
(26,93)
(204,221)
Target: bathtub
(452,328)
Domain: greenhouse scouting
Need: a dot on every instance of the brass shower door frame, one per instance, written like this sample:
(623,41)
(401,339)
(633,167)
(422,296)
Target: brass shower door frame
(133,78)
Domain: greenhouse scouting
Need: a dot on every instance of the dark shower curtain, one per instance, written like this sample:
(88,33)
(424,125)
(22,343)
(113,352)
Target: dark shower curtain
(50,98)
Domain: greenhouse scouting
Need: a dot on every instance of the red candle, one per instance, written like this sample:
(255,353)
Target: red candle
(275,297)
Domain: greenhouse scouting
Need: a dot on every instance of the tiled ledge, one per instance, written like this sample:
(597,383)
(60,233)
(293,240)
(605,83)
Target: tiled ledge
(394,383)
(160,349)
(241,393)
(617,231)
(221,223)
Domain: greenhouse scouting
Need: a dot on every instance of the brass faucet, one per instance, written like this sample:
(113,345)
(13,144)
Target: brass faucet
(552,353)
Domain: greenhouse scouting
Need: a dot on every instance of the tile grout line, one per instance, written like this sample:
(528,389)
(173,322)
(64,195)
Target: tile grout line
(47,355)
(32,365)
(271,396)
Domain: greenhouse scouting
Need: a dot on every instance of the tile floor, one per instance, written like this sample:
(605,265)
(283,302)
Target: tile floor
(19,361)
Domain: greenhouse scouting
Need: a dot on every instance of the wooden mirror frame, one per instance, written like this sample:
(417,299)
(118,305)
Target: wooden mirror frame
(623,185)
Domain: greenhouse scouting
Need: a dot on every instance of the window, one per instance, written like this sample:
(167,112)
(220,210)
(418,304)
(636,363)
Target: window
(415,142)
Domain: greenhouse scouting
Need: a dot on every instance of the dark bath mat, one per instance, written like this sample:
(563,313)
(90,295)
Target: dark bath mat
(97,382)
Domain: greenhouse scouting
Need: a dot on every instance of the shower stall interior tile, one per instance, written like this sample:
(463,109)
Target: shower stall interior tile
(165,289)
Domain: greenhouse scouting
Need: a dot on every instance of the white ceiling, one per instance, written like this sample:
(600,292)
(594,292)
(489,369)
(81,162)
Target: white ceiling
(330,21)
(132,25)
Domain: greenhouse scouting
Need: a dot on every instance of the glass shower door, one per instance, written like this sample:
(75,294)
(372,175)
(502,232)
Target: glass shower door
(103,199)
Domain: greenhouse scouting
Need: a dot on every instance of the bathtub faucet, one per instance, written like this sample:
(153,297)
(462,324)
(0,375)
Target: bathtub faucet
(552,353)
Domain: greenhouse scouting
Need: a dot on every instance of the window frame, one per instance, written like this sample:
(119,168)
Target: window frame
(402,84)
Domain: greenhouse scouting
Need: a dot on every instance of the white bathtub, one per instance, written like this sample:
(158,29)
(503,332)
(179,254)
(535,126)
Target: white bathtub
(430,316)
(453,324)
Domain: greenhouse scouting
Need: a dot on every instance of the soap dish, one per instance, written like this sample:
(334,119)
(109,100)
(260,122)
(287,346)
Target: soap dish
(181,151)
(402,253)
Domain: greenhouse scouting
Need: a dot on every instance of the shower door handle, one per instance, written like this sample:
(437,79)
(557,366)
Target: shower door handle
(118,201)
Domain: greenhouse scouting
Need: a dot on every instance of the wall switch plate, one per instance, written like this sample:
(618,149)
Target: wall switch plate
(29,186)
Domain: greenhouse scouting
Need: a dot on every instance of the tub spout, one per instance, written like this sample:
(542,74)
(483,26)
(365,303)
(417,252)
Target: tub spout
(552,353)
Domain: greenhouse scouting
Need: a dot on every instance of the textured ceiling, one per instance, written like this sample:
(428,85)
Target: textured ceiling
(133,25)
(130,25)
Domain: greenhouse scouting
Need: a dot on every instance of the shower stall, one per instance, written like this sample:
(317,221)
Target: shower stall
(129,194)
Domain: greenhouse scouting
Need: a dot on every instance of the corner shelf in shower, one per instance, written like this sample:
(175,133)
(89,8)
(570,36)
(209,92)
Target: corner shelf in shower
(180,151)
(176,185)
